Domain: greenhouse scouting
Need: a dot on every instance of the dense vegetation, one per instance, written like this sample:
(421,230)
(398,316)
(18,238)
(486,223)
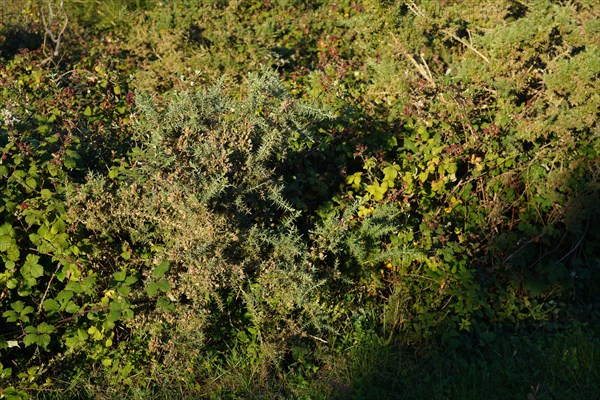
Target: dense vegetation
(299,199)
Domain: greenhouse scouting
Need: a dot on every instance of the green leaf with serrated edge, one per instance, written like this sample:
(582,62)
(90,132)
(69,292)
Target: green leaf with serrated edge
(31,267)
(6,242)
(94,333)
(152,289)
(29,339)
(164,285)
(75,287)
(45,328)
(82,334)
(45,194)
(160,269)
(31,183)
(114,315)
(120,276)
(64,296)
(10,316)
(69,162)
(391,172)
(43,340)
(51,305)
(130,280)
(72,308)
(164,303)
(13,254)
(7,229)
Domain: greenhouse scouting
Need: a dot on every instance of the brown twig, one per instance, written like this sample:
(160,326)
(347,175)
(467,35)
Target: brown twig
(423,68)
(467,44)
(48,33)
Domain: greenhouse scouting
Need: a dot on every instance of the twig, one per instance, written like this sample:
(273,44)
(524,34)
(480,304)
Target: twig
(56,39)
(577,245)
(318,339)
(467,44)
(414,8)
(46,291)
(423,69)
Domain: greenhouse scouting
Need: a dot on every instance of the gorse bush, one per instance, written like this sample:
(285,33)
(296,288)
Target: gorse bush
(199,207)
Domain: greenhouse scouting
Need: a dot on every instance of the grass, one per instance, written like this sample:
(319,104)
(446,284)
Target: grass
(563,363)
(554,365)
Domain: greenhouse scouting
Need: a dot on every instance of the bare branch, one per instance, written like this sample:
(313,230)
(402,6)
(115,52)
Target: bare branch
(423,68)
(467,44)
(49,22)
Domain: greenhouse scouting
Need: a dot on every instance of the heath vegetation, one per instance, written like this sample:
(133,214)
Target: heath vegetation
(299,199)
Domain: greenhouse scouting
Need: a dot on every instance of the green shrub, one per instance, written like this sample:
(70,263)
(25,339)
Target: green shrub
(237,241)
(199,207)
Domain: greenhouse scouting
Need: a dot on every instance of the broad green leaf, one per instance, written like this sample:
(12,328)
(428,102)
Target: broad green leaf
(51,305)
(82,334)
(72,308)
(69,162)
(74,286)
(58,226)
(376,190)
(165,304)
(30,339)
(7,229)
(391,172)
(45,328)
(64,296)
(6,242)
(31,183)
(114,315)
(31,267)
(113,173)
(10,316)
(120,276)
(160,269)
(43,340)
(127,313)
(164,285)
(130,280)
(94,333)
(152,289)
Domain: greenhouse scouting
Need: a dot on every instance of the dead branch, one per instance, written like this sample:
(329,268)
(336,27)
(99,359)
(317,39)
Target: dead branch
(56,38)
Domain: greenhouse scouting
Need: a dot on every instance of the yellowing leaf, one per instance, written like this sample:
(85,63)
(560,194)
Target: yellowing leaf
(95,333)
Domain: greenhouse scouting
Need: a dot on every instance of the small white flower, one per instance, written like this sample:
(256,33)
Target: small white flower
(8,117)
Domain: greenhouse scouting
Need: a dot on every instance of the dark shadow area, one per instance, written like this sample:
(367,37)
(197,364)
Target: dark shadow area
(515,11)
(556,364)
(14,39)
(545,253)
(557,259)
